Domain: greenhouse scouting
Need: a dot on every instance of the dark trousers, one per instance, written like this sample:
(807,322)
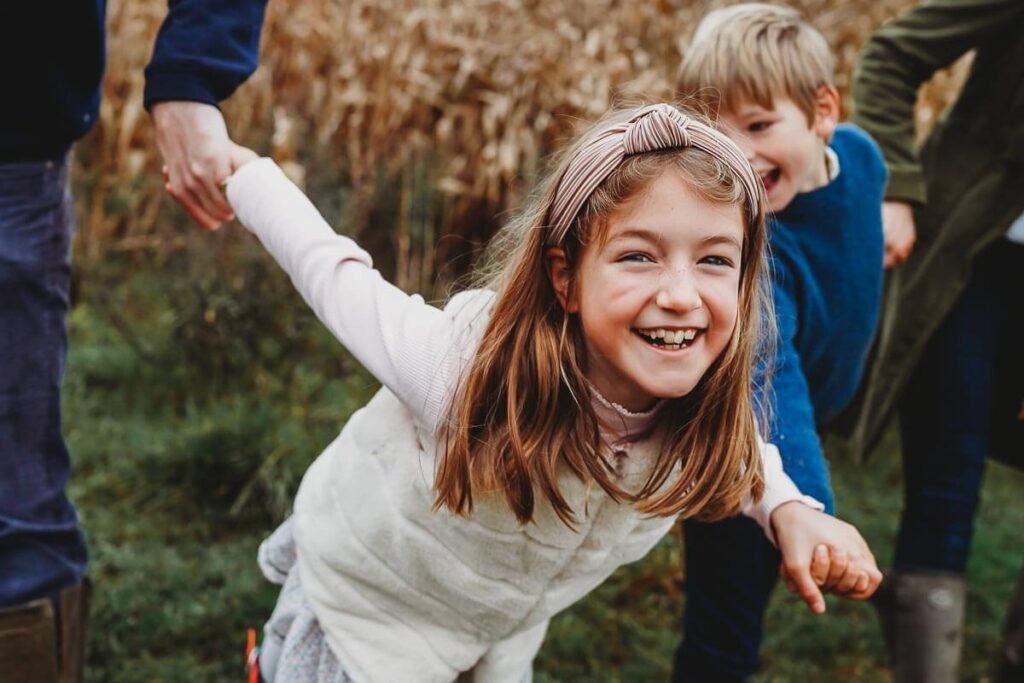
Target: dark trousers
(41,548)
(731,570)
(948,411)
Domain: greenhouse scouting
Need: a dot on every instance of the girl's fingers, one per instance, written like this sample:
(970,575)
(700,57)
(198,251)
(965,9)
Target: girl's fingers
(820,565)
(806,588)
(196,189)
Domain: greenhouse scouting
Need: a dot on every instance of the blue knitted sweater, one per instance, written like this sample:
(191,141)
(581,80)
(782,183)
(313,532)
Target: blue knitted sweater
(826,255)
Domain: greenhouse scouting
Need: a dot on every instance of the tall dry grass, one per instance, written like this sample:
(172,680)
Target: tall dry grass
(434,113)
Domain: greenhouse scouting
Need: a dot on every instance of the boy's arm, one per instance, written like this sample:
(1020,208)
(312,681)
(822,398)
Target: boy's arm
(899,58)
(205,49)
(791,426)
(408,345)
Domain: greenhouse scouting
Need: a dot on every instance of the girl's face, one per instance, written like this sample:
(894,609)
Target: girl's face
(657,297)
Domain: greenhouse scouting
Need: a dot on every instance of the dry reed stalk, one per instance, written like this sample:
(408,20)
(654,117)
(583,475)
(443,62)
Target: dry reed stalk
(437,112)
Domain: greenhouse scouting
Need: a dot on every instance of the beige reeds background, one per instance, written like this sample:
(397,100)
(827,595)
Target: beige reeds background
(423,118)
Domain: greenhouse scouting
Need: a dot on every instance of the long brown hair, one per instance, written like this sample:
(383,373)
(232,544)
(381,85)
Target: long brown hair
(522,409)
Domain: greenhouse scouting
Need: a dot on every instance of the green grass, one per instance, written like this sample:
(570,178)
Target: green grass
(198,390)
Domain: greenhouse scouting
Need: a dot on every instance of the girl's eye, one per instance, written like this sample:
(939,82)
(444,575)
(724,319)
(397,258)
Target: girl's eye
(716,261)
(758,126)
(636,258)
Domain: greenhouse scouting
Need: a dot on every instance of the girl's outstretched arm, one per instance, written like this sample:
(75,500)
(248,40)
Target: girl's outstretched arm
(407,344)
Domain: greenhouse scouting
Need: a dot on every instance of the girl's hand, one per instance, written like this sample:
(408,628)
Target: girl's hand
(198,156)
(822,553)
(242,156)
(238,156)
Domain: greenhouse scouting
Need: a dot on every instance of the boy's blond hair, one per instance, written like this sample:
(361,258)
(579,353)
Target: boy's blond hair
(753,53)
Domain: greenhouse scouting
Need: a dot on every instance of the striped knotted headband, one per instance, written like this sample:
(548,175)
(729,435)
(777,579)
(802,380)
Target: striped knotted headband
(654,127)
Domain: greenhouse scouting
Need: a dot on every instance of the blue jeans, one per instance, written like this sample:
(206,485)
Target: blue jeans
(947,412)
(42,549)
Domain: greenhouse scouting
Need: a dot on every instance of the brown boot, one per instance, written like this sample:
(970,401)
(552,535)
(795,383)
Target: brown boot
(1010,668)
(28,643)
(922,618)
(74,608)
(30,648)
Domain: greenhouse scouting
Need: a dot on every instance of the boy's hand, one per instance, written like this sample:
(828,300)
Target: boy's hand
(822,553)
(898,232)
(198,157)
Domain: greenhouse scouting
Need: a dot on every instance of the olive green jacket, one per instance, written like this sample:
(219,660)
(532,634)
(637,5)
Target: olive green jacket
(966,180)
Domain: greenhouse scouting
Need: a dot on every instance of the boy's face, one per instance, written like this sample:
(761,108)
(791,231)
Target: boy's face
(784,149)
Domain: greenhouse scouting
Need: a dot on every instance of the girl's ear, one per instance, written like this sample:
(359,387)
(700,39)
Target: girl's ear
(826,115)
(561,277)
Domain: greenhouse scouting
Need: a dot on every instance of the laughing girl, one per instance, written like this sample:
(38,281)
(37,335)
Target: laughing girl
(542,430)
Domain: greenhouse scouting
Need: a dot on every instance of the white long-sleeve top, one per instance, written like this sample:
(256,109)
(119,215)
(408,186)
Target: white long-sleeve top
(403,593)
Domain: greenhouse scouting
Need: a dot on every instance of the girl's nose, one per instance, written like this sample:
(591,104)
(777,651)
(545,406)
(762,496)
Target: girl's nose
(679,292)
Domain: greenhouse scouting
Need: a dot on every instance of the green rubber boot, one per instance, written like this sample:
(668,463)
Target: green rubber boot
(922,617)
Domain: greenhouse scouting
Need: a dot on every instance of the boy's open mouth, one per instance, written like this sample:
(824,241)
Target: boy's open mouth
(771,178)
(668,339)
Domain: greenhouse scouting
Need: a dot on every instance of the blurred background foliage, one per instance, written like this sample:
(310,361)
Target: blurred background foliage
(199,387)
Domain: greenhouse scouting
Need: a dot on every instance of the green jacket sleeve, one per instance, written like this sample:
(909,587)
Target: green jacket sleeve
(899,58)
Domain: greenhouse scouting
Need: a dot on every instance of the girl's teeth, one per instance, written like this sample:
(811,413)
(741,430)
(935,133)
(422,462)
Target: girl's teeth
(671,336)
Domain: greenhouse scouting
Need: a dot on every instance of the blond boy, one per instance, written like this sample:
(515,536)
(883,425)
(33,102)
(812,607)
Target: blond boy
(768,76)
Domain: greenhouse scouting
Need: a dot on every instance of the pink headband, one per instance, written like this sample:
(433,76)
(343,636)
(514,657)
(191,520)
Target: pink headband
(655,127)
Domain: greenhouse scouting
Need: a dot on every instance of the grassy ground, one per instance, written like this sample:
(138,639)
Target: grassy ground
(199,388)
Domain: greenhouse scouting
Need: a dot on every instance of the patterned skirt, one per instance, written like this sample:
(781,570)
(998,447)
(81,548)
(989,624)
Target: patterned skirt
(294,648)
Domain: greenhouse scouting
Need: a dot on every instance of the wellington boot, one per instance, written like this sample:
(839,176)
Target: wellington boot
(32,650)
(922,619)
(1010,668)
(74,608)
(28,643)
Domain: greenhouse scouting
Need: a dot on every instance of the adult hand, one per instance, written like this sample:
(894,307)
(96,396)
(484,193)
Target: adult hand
(898,232)
(198,156)
(821,553)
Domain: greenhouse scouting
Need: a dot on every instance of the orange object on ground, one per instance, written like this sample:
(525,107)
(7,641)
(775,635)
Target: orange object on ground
(252,652)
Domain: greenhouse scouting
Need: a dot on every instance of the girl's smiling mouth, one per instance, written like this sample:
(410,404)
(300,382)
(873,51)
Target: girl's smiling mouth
(667,338)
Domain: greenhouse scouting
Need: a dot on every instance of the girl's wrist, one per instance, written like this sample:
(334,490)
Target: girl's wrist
(784,512)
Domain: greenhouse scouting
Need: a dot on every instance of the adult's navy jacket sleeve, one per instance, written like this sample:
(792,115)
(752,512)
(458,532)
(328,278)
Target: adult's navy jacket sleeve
(205,50)
(791,422)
